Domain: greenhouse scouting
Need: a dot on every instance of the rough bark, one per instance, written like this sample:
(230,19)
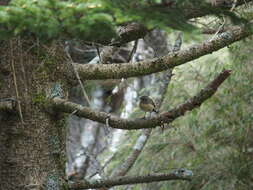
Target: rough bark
(125,70)
(32,152)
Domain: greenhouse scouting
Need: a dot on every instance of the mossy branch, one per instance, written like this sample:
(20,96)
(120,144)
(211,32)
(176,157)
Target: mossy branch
(125,70)
(62,105)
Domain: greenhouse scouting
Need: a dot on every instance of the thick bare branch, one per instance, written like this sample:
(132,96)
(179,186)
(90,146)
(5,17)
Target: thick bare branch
(129,124)
(104,71)
(125,180)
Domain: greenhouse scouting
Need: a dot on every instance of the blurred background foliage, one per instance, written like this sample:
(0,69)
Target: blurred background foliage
(96,20)
(214,141)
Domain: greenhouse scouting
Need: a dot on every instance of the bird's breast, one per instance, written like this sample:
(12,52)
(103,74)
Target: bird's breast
(147,107)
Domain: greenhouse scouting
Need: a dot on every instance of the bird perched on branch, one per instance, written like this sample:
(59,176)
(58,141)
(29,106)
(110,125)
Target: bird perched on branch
(147,105)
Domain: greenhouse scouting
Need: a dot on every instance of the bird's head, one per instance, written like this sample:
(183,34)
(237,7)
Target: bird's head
(144,98)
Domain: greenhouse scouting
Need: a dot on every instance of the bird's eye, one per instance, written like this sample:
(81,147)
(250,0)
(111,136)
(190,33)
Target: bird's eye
(181,170)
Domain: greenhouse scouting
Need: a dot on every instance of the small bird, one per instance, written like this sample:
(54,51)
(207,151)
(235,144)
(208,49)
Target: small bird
(147,105)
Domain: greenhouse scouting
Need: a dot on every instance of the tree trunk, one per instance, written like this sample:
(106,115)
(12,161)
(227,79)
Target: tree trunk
(33,150)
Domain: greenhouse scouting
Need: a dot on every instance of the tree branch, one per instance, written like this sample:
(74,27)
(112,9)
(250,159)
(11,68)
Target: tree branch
(189,12)
(213,30)
(198,99)
(202,11)
(62,105)
(141,141)
(125,70)
(125,180)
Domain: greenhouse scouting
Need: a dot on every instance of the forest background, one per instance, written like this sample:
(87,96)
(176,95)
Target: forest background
(54,53)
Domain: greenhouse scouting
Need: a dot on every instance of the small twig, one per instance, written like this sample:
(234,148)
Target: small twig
(15,84)
(213,30)
(23,68)
(246,4)
(234,4)
(98,52)
(89,43)
(219,29)
(78,77)
(133,51)
(73,113)
(107,162)
(107,122)
(103,167)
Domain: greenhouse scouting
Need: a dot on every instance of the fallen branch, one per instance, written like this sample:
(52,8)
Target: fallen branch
(62,105)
